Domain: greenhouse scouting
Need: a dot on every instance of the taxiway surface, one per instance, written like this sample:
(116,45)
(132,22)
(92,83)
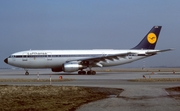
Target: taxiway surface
(140,96)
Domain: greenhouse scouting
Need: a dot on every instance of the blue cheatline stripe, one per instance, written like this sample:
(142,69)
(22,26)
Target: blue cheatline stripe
(43,56)
(32,56)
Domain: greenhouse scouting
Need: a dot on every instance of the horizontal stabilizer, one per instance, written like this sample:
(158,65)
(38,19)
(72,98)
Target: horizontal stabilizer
(156,51)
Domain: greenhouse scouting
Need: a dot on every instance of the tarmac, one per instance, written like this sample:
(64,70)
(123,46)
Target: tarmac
(140,96)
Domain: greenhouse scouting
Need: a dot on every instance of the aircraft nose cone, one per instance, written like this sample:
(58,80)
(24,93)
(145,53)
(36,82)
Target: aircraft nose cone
(6,60)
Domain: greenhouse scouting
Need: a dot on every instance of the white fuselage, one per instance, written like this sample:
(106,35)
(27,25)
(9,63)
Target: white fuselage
(78,60)
(56,58)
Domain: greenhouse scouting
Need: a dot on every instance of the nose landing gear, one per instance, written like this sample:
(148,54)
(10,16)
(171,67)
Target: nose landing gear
(26,73)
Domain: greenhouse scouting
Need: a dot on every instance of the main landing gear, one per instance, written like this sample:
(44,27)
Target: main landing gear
(91,72)
(88,72)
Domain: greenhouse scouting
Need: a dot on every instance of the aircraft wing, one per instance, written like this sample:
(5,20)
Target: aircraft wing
(156,51)
(103,57)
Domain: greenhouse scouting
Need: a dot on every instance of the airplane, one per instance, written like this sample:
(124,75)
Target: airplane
(78,60)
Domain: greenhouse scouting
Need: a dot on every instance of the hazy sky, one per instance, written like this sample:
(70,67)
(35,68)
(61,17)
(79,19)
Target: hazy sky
(89,24)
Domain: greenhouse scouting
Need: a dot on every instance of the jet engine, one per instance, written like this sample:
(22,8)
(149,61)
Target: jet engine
(57,69)
(71,67)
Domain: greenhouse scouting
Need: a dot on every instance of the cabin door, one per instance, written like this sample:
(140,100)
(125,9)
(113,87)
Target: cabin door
(24,57)
(49,56)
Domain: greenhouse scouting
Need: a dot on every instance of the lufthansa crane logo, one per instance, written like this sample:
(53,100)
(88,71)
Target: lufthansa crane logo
(152,38)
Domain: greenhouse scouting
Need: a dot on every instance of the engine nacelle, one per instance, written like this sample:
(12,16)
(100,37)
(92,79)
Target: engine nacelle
(57,69)
(71,67)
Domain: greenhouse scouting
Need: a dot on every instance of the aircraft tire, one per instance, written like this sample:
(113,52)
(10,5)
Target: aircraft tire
(93,72)
(84,72)
(26,73)
(79,72)
(88,72)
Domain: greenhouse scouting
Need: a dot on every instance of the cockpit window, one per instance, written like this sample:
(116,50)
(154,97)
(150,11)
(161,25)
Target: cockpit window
(11,56)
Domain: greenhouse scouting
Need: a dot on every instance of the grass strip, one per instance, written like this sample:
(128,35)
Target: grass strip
(47,97)
(155,80)
(174,92)
(34,80)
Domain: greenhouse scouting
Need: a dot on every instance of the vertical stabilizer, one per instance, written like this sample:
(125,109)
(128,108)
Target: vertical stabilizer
(150,40)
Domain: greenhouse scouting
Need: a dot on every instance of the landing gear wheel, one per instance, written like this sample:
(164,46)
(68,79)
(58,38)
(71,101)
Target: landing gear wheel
(84,72)
(88,72)
(81,72)
(91,72)
(26,73)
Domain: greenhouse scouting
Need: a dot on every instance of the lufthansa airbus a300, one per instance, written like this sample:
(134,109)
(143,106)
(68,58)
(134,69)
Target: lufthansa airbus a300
(78,60)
